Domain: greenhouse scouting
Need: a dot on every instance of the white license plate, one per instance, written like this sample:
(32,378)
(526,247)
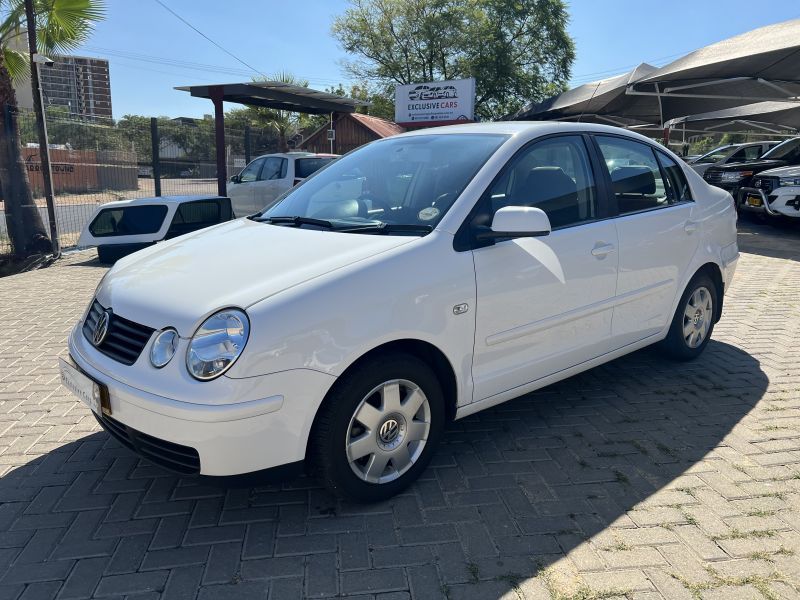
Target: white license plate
(87,390)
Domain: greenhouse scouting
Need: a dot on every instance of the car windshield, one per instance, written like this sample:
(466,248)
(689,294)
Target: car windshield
(716,155)
(788,150)
(408,181)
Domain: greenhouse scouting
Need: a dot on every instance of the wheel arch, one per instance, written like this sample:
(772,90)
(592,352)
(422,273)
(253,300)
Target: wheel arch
(426,351)
(713,271)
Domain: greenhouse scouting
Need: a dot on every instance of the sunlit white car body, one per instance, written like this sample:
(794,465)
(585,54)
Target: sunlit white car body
(777,200)
(508,319)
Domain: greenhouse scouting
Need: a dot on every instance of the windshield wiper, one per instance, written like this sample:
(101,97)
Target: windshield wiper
(388,228)
(297,221)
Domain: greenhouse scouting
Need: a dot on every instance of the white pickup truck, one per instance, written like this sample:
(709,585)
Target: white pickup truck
(269,176)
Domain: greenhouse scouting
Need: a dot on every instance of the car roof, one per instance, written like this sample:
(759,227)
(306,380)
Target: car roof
(523,128)
(161,200)
(298,154)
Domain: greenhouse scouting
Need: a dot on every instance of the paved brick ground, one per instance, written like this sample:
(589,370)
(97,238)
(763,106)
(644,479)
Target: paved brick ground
(641,479)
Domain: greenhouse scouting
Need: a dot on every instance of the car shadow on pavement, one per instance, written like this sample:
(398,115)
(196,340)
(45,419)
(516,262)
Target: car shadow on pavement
(511,491)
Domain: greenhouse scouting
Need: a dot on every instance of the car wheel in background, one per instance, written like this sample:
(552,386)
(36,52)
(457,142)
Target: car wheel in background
(693,322)
(378,428)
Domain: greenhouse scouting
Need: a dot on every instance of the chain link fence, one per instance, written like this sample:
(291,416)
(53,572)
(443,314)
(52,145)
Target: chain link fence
(103,161)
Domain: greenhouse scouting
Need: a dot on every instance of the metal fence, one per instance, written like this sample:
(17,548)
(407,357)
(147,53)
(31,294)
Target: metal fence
(94,162)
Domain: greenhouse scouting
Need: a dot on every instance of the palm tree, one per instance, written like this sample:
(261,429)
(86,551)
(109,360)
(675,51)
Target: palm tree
(61,26)
(283,122)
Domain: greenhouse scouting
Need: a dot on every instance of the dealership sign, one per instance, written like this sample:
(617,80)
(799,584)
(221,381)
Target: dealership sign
(436,102)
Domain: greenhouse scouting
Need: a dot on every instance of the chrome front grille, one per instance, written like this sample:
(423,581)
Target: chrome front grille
(124,340)
(712,176)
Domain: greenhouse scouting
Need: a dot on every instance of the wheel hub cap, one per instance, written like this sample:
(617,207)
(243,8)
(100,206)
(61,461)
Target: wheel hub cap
(697,317)
(388,431)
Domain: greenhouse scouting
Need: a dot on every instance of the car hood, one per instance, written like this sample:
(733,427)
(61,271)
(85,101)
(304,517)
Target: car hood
(751,165)
(782,172)
(180,282)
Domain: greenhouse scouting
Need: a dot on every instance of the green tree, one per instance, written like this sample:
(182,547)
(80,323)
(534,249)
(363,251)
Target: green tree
(517,50)
(61,26)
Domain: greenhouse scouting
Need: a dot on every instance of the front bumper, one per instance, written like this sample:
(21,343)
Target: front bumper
(230,438)
(775,207)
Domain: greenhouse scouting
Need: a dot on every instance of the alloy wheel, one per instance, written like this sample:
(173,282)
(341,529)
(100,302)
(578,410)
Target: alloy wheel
(697,317)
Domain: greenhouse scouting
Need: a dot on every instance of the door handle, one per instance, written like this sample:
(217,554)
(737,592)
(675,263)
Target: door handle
(602,250)
(690,227)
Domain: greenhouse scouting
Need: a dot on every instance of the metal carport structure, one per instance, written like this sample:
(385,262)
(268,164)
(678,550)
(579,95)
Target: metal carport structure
(767,117)
(267,94)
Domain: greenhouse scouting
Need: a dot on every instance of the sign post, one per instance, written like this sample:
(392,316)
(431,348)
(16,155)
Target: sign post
(435,103)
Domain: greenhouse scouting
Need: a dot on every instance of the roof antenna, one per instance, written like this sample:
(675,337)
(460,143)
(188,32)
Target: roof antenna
(597,87)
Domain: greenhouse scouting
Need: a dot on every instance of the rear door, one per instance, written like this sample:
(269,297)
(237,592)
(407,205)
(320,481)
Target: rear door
(657,233)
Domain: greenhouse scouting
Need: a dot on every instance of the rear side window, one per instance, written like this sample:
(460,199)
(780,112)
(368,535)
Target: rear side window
(303,167)
(129,220)
(678,187)
(635,175)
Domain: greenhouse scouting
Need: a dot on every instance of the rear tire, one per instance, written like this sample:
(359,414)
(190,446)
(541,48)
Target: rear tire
(693,321)
(378,428)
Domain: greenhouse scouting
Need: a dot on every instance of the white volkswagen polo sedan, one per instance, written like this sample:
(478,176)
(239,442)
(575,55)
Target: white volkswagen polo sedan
(418,279)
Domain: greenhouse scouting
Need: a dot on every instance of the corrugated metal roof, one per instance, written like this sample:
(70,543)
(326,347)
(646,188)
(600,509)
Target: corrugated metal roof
(380,127)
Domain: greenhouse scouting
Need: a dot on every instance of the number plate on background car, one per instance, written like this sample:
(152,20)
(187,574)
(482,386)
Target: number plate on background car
(754,201)
(92,394)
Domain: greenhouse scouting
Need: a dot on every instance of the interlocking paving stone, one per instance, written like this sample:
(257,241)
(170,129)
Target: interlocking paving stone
(642,477)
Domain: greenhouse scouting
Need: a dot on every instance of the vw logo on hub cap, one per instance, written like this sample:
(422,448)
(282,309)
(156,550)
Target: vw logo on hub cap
(101,328)
(389,431)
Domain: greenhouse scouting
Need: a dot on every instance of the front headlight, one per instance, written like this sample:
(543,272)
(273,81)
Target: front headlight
(789,181)
(731,176)
(217,344)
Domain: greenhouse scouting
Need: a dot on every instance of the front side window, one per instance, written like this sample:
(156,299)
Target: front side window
(273,169)
(400,181)
(635,175)
(250,172)
(128,220)
(554,175)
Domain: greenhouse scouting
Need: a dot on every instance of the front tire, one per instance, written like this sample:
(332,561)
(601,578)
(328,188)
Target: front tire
(378,429)
(693,321)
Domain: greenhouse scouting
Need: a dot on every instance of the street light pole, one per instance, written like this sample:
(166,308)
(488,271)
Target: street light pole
(41,126)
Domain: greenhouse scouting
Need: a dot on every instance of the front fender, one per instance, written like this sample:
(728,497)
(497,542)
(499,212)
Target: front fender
(330,322)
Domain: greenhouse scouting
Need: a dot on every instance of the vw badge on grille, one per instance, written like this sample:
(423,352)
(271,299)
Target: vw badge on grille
(101,328)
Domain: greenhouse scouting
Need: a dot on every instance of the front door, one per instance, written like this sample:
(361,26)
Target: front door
(271,182)
(544,304)
(241,193)
(658,235)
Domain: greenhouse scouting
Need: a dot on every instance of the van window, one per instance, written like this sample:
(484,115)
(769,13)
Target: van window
(303,167)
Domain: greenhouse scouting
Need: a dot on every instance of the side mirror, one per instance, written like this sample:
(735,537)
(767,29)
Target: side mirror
(512,222)
(235,179)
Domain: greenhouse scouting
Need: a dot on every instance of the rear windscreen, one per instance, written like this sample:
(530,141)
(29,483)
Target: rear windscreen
(304,167)
(128,220)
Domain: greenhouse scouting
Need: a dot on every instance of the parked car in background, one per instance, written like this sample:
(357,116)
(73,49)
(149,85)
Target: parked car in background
(418,279)
(269,176)
(120,228)
(732,153)
(732,177)
(775,193)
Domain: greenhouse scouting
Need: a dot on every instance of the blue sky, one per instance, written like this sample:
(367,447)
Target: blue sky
(143,41)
